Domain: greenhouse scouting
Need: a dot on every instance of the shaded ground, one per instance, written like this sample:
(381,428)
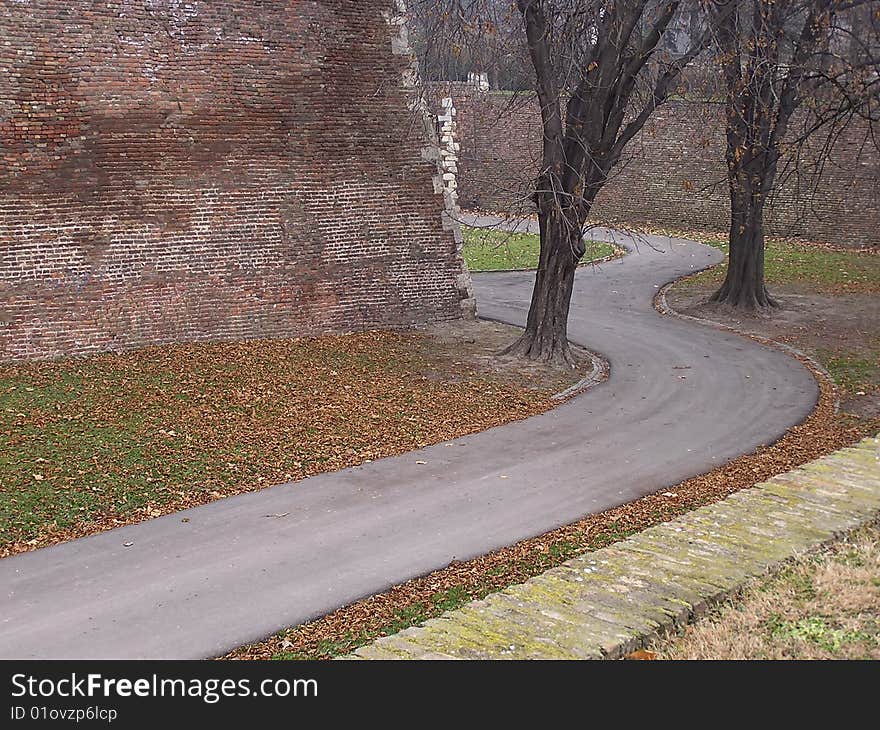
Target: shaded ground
(89,444)
(473,347)
(822,606)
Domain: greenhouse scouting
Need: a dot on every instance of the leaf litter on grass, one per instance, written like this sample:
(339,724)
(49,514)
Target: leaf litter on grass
(89,444)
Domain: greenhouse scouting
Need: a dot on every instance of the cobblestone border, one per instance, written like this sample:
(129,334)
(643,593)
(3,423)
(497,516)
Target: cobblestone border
(599,373)
(607,603)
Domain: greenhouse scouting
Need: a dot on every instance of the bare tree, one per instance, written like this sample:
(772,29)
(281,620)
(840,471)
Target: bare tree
(816,56)
(600,68)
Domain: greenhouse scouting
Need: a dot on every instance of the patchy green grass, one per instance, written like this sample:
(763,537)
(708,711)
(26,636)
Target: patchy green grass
(814,630)
(812,267)
(490,249)
(853,372)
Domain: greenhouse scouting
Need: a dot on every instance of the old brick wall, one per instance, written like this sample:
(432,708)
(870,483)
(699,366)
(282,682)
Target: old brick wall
(674,173)
(207,170)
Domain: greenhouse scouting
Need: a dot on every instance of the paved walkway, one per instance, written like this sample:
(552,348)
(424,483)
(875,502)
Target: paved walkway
(681,399)
(607,603)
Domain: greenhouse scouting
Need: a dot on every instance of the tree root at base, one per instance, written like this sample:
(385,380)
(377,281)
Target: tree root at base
(552,351)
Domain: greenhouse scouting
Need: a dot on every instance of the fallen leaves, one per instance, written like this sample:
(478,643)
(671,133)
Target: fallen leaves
(88,445)
(642,655)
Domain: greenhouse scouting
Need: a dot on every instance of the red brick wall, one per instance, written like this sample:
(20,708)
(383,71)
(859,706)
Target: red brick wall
(674,175)
(211,169)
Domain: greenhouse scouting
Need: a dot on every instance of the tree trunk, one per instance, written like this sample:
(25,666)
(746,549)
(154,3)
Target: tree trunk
(743,286)
(546,335)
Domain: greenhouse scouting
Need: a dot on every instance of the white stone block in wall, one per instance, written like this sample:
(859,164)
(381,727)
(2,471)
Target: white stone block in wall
(479,80)
(448,148)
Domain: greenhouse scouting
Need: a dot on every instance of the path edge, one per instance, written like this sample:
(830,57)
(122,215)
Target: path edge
(816,369)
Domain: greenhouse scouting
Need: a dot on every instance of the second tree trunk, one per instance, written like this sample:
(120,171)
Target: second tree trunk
(744,286)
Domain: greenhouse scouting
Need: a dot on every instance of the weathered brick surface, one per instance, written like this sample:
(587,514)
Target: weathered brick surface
(211,170)
(610,602)
(674,175)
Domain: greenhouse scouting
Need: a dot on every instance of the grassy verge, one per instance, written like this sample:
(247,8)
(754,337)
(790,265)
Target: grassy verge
(490,249)
(821,606)
(855,373)
(87,445)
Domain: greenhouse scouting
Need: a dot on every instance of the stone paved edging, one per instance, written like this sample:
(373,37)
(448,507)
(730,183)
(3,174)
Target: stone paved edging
(607,603)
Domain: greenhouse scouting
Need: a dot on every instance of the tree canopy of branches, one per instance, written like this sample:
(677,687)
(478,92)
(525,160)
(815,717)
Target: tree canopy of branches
(452,38)
(817,56)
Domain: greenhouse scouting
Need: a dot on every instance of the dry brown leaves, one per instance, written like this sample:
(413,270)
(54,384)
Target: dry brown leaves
(89,445)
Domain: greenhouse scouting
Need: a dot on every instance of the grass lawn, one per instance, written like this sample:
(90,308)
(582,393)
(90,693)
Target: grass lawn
(816,269)
(854,373)
(491,249)
(88,444)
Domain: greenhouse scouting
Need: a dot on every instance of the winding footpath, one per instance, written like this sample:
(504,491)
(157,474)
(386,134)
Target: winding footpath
(681,399)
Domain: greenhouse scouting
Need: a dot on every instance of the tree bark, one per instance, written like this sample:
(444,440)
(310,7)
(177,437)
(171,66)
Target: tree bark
(744,286)
(579,151)
(546,335)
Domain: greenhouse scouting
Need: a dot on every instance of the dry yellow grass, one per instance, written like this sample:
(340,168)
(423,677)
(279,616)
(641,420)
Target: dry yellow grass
(821,606)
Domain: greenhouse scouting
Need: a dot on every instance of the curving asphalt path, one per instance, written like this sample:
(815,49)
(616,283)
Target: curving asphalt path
(681,399)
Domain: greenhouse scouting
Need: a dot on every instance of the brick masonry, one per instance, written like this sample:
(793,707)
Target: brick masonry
(179,171)
(673,175)
(607,603)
